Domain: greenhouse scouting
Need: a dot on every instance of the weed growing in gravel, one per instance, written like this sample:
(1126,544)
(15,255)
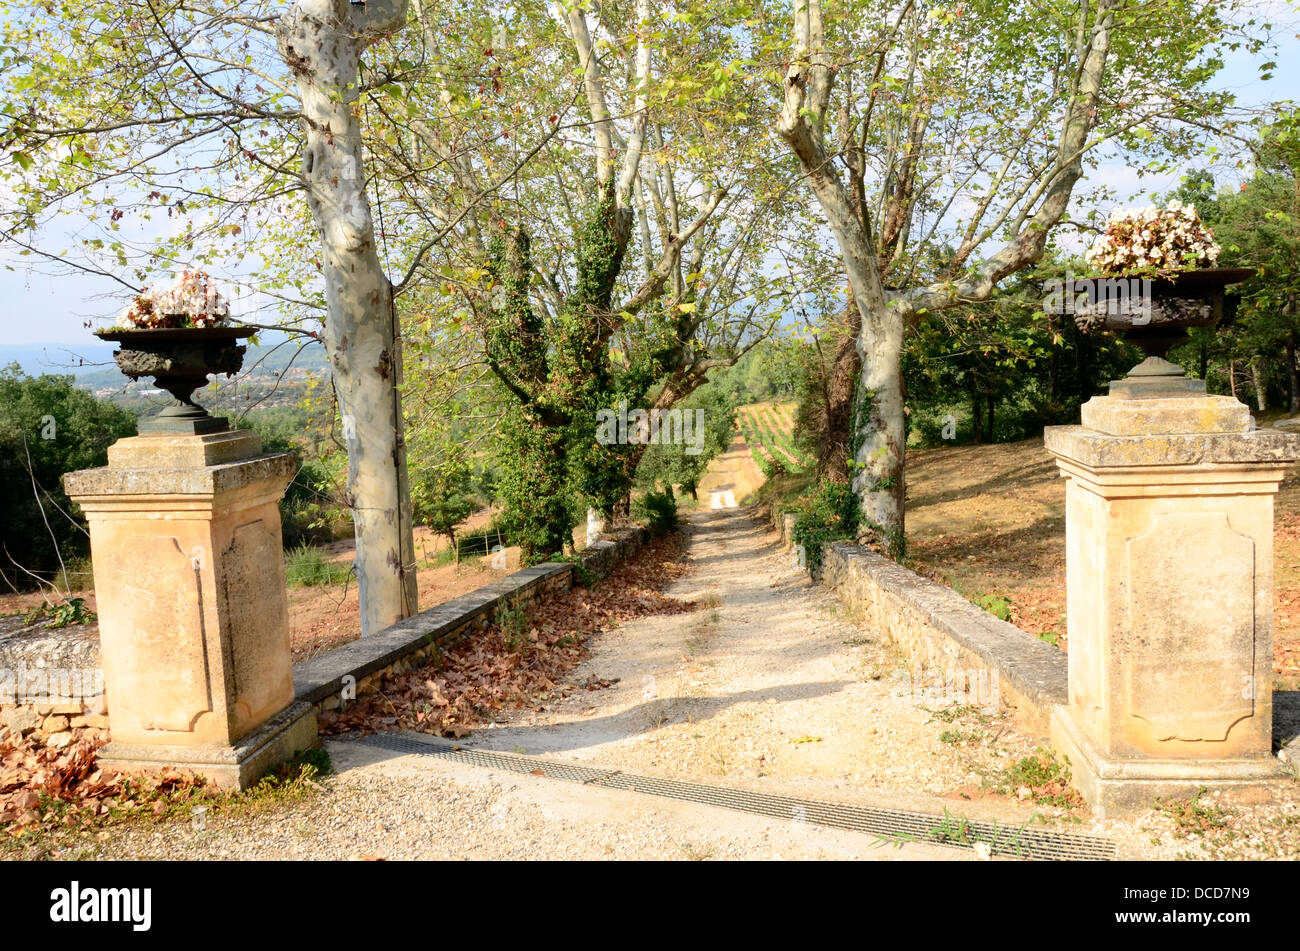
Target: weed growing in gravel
(967,715)
(952,829)
(1042,778)
(694,853)
(955,713)
(1192,816)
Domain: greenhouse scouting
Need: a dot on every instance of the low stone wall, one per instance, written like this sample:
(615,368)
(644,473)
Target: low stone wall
(361,665)
(783,522)
(50,680)
(939,631)
(46,656)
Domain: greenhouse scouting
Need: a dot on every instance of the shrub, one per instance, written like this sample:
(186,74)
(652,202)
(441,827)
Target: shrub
(773,468)
(996,605)
(306,566)
(830,513)
(59,428)
(658,510)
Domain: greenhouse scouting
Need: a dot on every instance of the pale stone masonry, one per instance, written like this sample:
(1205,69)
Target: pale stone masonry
(1169,580)
(193,616)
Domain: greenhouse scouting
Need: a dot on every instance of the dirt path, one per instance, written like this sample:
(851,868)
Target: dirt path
(766,686)
(769,684)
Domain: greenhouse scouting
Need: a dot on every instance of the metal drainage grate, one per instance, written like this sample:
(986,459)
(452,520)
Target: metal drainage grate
(896,824)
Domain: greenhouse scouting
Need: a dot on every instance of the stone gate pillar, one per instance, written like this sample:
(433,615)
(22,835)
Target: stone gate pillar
(1169,576)
(193,617)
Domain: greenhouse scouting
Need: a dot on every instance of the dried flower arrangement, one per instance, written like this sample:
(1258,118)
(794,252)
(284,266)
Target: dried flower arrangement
(192,302)
(1153,241)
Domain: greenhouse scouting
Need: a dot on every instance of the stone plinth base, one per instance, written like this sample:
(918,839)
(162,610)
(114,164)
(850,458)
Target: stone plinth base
(235,767)
(1169,587)
(1116,786)
(193,614)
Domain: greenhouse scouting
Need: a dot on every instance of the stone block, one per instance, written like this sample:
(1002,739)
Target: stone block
(183,452)
(55,724)
(1145,417)
(22,720)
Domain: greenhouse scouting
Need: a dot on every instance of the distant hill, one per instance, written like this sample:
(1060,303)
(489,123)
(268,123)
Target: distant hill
(277,372)
(59,358)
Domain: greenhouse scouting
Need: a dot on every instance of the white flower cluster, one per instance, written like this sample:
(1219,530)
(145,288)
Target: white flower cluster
(1151,239)
(193,301)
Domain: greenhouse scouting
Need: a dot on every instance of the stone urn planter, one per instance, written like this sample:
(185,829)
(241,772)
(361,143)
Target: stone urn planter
(1155,313)
(180,360)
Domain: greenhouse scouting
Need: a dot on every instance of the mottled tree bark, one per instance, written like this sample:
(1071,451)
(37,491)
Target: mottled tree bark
(321,41)
(841,384)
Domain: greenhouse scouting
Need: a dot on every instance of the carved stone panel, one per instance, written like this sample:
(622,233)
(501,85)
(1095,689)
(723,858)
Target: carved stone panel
(1188,657)
(257,621)
(159,617)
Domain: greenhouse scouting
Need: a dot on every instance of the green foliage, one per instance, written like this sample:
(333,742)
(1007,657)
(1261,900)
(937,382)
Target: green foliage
(1194,816)
(827,514)
(515,627)
(309,512)
(772,468)
(1257,225)
(440,497)
(538,508)
(1003,370)
(995,604)
(302,766)
(59,428)
(1045,776)
(68,612)
(766,373)
(658,510)
(306,566)
(668,464)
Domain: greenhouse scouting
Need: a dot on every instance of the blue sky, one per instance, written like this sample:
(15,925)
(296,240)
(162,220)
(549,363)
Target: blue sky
(47,304)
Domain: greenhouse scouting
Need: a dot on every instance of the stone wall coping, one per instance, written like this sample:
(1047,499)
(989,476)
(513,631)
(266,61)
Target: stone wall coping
(112,484)
(1034,668)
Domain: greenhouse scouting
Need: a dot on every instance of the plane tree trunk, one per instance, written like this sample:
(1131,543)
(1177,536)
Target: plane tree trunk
(321,42)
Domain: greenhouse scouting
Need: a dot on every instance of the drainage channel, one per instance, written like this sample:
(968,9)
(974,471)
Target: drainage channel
(896,825)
